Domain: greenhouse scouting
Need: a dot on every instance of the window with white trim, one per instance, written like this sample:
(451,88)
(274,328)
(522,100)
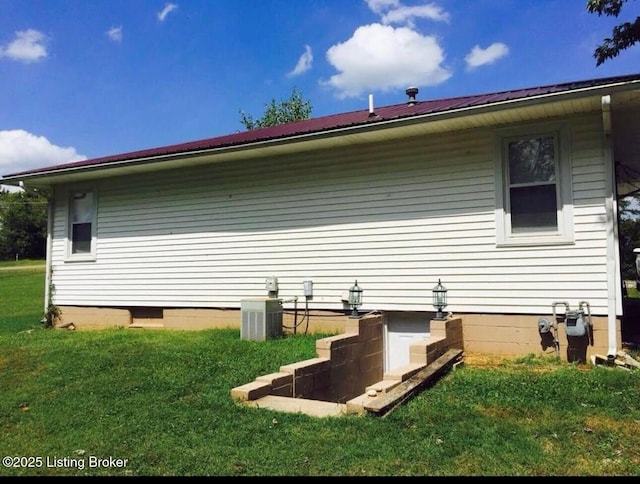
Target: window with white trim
(82,223)
(534,189)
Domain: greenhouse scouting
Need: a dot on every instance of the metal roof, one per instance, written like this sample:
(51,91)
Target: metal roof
(326,124)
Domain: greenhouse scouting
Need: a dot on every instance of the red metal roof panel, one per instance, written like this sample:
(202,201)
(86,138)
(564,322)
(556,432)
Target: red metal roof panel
(336,121)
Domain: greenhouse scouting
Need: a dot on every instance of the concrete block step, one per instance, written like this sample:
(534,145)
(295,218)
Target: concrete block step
(403,373)
(382,386)
(314,408)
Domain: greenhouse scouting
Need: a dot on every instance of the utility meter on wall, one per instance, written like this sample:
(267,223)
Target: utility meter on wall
(307,287)
(271,284)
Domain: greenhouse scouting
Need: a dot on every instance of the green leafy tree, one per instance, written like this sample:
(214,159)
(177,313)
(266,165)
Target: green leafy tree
(296,108)
(629,235)
(23,225)
(629,240)
(624,35)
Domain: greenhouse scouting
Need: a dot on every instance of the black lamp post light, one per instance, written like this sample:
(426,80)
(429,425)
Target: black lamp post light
(355,299)
(439,300)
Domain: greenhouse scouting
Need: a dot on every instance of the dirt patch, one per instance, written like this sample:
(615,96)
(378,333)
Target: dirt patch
(17,268)
(477,360)
(486,360)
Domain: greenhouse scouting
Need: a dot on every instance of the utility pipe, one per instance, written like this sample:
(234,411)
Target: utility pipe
(613,272)
(49,246)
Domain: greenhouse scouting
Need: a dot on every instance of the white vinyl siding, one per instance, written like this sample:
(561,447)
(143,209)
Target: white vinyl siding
(396,217)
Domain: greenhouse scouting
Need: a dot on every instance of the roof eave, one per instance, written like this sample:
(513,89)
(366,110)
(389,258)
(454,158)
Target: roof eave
(298,142)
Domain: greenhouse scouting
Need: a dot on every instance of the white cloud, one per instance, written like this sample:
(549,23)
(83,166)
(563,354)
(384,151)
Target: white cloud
(168,8)
(379,6)
(115,34)
(380,57)
(304,62)
(22,151)
(393,12)
(28,46)
(479,57)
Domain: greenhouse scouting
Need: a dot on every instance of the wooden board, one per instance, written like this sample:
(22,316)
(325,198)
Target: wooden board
(387,402)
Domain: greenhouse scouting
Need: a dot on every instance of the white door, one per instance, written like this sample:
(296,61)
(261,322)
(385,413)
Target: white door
(399,334)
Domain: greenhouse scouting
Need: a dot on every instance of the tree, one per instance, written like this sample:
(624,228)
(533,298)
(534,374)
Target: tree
(23,225)
(294,109)
(624,35)
(629,240)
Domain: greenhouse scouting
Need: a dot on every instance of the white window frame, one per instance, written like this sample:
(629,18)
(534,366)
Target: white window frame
(564,234)
(83,256)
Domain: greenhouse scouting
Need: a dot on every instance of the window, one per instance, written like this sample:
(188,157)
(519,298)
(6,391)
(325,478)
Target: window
(534,200)
(82,214)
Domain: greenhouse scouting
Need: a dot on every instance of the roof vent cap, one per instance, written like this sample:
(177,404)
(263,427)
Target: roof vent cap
(412,92)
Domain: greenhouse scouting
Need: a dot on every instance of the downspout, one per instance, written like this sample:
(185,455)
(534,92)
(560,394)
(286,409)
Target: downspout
(613,275)
(47,272)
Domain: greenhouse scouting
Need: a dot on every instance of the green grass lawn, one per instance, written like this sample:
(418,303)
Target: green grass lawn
(124,402)
(21,296)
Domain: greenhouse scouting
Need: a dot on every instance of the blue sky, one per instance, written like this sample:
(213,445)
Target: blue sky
(89,78)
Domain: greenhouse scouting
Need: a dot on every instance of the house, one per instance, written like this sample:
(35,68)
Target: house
(508,199)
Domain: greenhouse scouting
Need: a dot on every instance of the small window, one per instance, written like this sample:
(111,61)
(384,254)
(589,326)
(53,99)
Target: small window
(534,200)
(82,211)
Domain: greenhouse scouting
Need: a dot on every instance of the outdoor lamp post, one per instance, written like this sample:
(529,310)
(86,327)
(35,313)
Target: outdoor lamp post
(439,300)
(355,299)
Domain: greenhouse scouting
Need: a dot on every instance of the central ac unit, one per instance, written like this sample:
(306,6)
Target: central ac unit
(261,319)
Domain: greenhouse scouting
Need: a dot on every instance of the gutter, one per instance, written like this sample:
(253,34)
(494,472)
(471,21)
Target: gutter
(613,274)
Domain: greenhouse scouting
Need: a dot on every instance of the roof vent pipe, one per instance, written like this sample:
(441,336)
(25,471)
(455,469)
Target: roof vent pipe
(371,111)
(412,92)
